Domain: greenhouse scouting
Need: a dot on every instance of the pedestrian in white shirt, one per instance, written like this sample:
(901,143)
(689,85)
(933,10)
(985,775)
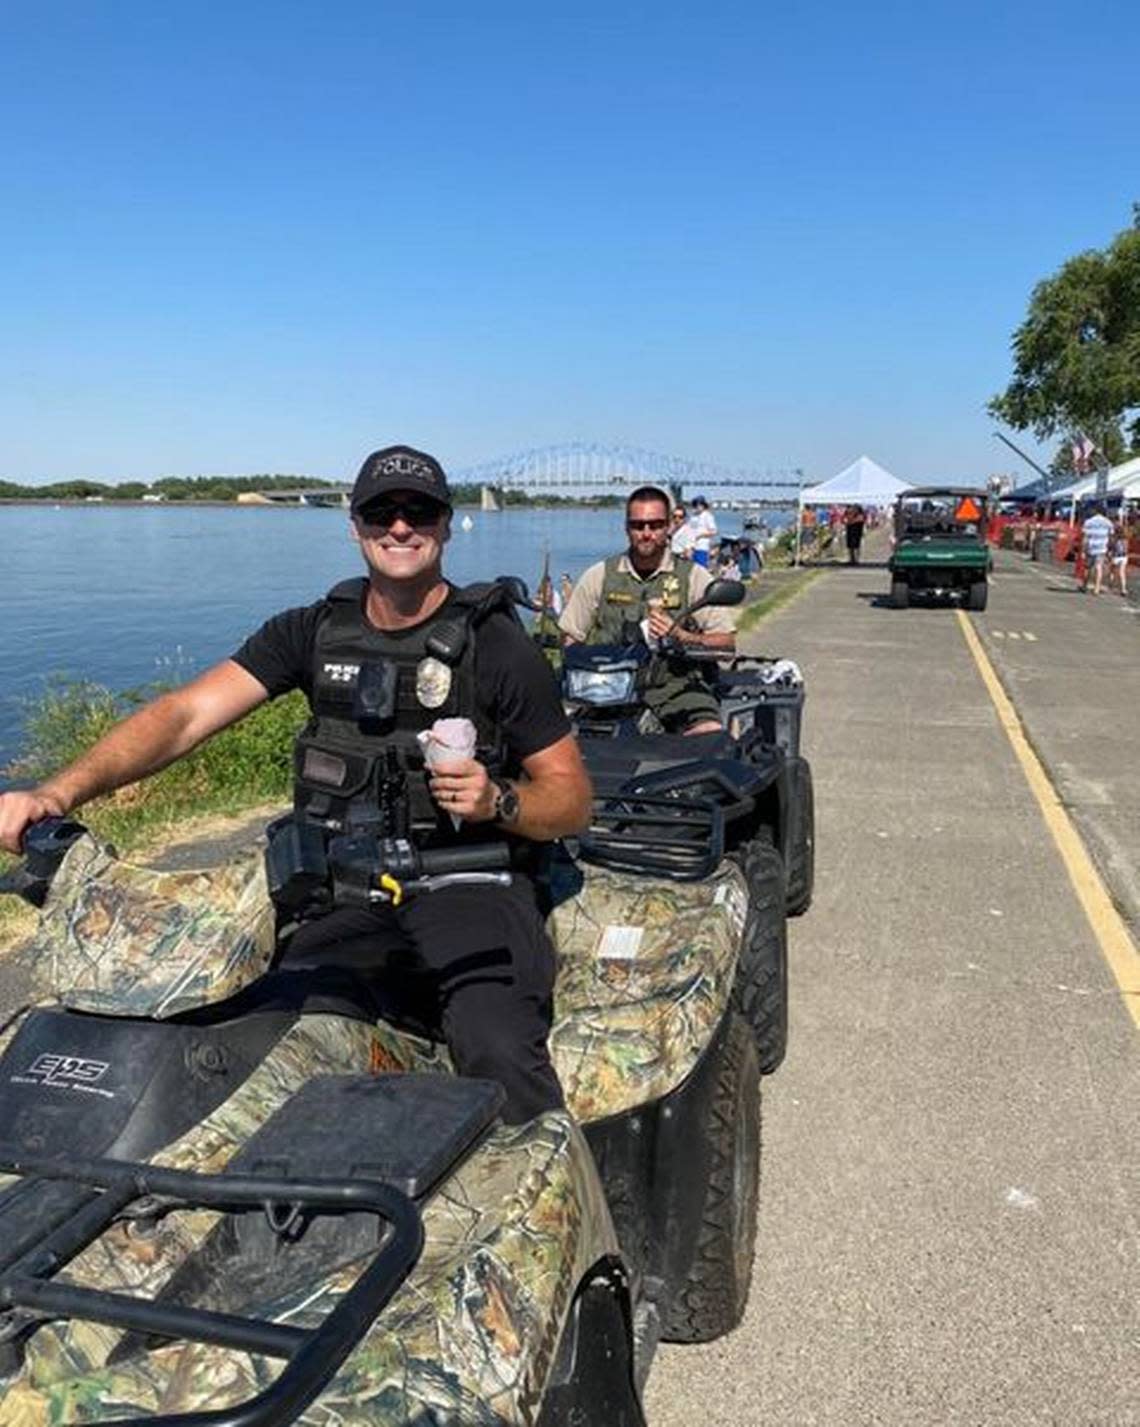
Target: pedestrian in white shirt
(680,534)
(702,522)
(1095,533)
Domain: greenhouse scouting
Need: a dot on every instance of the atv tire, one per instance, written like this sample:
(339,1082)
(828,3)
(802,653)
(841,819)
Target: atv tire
(978,595)
(760,991)
(801,858)
(712,1299)
(900,594)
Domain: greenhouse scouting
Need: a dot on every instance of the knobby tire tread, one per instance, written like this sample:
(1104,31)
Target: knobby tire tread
(760,989)
(714,1296)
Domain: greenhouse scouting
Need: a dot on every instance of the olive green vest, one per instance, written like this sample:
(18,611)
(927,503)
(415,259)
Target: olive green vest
(625,598)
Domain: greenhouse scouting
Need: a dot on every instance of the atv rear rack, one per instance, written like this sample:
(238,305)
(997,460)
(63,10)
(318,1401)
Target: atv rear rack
(667,836)
(28,1295)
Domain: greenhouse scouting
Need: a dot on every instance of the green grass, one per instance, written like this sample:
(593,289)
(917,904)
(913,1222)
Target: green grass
(243,767)
(790,584)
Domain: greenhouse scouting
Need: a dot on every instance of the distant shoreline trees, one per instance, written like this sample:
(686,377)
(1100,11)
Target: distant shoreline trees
(170,488)
(215,489)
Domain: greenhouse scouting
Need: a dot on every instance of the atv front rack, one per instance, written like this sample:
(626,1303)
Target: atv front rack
(665,836)
(29,1295)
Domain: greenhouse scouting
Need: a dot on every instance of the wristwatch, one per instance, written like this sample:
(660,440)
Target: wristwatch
(506,801)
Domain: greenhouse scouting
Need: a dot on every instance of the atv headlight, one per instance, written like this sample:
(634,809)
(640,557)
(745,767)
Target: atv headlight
(617,685)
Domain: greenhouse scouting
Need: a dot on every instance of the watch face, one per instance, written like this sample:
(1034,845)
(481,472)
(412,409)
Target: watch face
(507,804)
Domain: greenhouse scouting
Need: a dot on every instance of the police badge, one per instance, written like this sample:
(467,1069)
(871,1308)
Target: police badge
(433,682)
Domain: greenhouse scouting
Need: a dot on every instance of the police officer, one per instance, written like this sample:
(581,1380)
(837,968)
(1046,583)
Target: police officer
(646,587)
(471,962)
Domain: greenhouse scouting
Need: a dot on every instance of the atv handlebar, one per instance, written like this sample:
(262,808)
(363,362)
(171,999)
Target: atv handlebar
(475,857)
(45,844)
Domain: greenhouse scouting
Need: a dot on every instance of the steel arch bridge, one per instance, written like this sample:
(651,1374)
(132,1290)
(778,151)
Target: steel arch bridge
(585,468)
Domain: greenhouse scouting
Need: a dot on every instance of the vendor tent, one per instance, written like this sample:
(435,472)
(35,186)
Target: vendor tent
(863,482)
(1119,478)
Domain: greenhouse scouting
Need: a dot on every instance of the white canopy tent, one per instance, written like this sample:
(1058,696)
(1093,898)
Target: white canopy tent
(863,482)
(1120,480)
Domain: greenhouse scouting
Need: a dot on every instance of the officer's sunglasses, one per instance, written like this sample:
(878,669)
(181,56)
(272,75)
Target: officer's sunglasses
(646,524)
(414,510)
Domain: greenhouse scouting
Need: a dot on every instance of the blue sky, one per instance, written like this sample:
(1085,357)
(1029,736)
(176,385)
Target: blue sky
(252,237)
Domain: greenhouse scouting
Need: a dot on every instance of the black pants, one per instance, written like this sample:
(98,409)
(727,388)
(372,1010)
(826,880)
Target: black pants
(471,964)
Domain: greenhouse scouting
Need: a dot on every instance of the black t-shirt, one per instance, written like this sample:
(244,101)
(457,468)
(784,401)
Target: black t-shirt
(514,686)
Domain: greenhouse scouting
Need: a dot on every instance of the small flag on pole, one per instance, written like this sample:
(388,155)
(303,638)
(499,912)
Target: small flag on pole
(1082,449)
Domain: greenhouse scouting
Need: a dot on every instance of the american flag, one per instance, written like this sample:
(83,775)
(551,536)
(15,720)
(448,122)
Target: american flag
(1082,449)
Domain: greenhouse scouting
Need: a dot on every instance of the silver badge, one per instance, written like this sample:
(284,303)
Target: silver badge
(433,682)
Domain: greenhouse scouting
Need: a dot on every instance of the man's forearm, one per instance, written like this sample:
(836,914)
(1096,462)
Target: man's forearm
(551,807)
(710,638)
(143,743)
(157,734)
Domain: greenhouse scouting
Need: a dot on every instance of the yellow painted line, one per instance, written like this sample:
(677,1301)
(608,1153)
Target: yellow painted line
(1107,925)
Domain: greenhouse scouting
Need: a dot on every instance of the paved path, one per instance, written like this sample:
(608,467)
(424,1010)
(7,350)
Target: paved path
(949,1228)
(1071,663)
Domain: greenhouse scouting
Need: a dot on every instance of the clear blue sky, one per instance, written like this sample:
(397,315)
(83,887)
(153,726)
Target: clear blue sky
(253,237)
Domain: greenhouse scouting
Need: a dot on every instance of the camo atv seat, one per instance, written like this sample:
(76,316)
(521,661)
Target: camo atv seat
(645,964)
(131,941)
(645,970)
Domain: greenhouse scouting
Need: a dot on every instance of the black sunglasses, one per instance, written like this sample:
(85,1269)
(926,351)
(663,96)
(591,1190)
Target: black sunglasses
(646,524)
(415,511)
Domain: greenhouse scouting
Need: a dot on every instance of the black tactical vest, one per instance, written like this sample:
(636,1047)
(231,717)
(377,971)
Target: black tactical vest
(372,692)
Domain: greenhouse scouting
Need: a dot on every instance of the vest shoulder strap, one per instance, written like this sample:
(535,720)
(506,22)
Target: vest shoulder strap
(347,591)
(485,597)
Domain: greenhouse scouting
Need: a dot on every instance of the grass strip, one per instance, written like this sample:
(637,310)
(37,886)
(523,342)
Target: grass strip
(789,586)
(244,767)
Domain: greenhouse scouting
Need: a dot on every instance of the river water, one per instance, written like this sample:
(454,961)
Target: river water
(132,595)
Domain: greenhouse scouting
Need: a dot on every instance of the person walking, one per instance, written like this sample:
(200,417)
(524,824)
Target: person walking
(379,659)
(1095,535)
(1118,557)
(854,521)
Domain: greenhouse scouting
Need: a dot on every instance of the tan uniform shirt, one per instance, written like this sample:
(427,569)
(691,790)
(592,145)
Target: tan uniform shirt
(582,605)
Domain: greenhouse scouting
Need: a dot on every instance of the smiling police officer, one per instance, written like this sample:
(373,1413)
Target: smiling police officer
(379,659)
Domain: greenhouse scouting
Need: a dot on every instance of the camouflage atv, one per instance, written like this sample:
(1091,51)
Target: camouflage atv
(219,1205)
(680,805)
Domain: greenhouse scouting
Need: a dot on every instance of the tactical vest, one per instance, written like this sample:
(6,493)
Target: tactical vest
(625,597)
(372,692)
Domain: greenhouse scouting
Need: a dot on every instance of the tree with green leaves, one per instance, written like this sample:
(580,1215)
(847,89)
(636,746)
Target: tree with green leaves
(1077,354)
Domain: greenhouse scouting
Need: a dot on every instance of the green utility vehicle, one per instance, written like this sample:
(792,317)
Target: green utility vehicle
(940,545)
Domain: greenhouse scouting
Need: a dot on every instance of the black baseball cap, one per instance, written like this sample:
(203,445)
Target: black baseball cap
(399,468)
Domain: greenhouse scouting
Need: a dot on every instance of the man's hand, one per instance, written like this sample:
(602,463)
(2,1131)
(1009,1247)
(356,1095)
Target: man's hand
(554,792)
(661,622)
(18,812)
(465,790)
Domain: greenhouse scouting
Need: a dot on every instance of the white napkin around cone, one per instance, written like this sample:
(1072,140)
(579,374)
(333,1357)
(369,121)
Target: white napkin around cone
(447,742)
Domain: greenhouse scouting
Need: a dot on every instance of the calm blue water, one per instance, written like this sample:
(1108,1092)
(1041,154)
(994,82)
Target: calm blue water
(127,596)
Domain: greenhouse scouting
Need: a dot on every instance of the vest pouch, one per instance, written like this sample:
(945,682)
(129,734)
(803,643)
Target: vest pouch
(327,777)
(296,867)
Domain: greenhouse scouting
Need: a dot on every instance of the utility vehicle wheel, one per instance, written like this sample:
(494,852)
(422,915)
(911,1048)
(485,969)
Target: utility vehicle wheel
(979,593)
(713,1297)
(801,861)
(900,594)
(760,991)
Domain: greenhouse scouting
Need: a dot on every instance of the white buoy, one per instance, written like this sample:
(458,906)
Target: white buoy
(467,523)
